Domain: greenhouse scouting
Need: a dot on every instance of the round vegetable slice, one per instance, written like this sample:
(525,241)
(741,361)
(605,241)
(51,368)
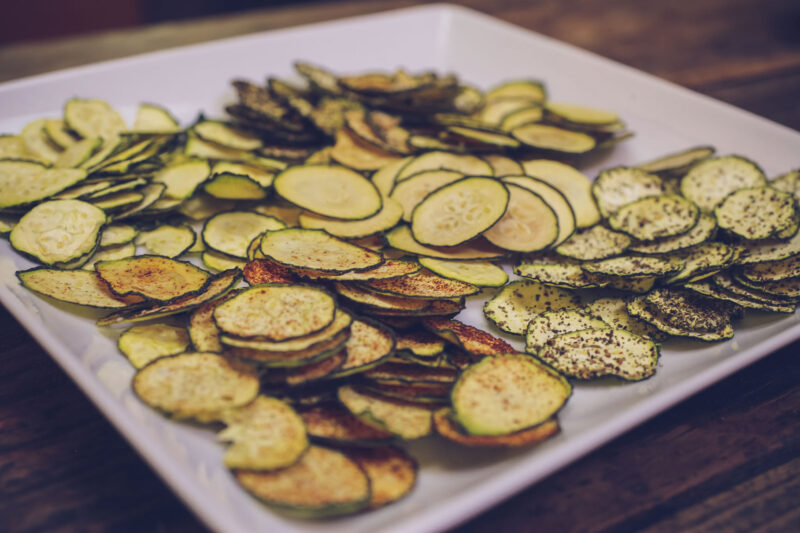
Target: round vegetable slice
(655,217)
(232,232)
(756,213)
(316,250)
(528,225)
(144,344)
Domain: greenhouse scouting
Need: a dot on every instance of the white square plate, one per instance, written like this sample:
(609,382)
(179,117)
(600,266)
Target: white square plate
(454,483)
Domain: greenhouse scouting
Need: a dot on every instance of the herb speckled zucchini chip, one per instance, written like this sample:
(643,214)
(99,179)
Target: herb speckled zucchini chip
(93,118)
(232,232)
(772,271)
(469,165)
(449,429)
(316,250)
(144,344)
(25,182)
(392,473)
(546,326)
(478,273)
(466,337)
(513,307)
(265,434)
(181,179)
(641,309)
(552,138)
(385,219)
(402,419)
(567,275)
(330,191)
(614,312)
(196,385)
(423,284)
(391,268)
(620,186)
(370,343)
(341,321)
(593,353)
(701,232)
(597,242)
(756,213)
(276,312)
(167,240)
(75,287)
(636,266)
(152,276)
(678,163)
(330,422)
(709,181)
(506,393)
(655,217)
(401,238)
(573,185)
(323,482)
(529,223)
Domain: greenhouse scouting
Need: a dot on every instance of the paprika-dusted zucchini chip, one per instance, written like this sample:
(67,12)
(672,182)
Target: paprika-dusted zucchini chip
(614,312)
(469,165)
(391,471)
(620,186)
(756,213)
(711,180)
(25,182)
(330,191)
(772,271)
(260,271)
(391,268)
(58,231)
(567,275)
(153,277)
(655,217)
(316,250)
(276,312)
(181,179)
(450,430)
(641,309)
(679,162)
(575,187)
(232,232)
(196,385)
(93,118)
(701,232)
(466,337)
(514,306)
(402,239)
(341,322)
(385,219)
(370,343)
(478,273)
(144,344)
(506,393)
(167,240)
(402,419)
(423,284)
(331,422)
(370,298)
(598,352)
(548,325)
(266,434)
(636,266)
(555,199)
(227,135)
(552,138)
(74,286)
(410,192)
(324,482)
(528,225)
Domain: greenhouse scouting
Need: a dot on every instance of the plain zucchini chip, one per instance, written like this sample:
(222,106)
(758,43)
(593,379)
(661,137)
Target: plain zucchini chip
(323,482)
(232,232)
(613,311)
(25,182)
(377,300)
(458,212)
(151,118)
(703,259)
(402,419)
(756,213)
(477,273)
(554,139)
(402,239)
(266,434)
(678,163)
(196,385)
(389,215)
(594,353)
(144,344)
(506,393)
(411,191)
(709,181)
(341,322)
(567,275)
(520,301)
(772,271)
(58,231)
(391,268)
(701,232)
(93,118)
(422,285)
(276,312)
(575,187)
(634,266)
(74,286)
(597,242)
(369,344)
(182,179)
(642,310)
(620,186)
(392,473)
(655,217)
(555,199)
(548,325)
(317,250)
(466,337)
(330,422)
(528,225)
(227,136)
(469,165)
(153,277)
(330,191)
(166,240)
(450,430)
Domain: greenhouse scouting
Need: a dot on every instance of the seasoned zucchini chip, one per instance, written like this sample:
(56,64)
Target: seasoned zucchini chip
(75,287)
(234,187)
(330,422)
(468,338)
(420,343)
(423,284)
(579,115)
(375,300)
(232,232)
(151,118)
(114,234)
(597,242)
(679,162)
(410,192)
(469,165)
(575,187)
(449,429)
(478,273)
(181,179)
(58,231)
(620,186)
(402,239)
(706,258)
(353,152)
(402,419)
(634,266)
(392,473)
(93,118)
(655,217)
(688,310)
(389,215)
(555,199)
(391,268)
(144,344)
(709,181)
(166,240)
(196,385)
(641,309)
(276,312)
(153,277)
(594,353)
(567,275)
(548,325)
(369,344)
(772,271)
(25,182)
(266,434)
(316,250)
(528,225)
(552,138)
(754,252)
(218,262)
(265,271)
(613,311)
(506,393)
(227,135)
(514,306)
(701,232)
(756,213)
(324,482)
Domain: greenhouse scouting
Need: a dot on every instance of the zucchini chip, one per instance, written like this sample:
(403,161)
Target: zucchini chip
(641,309)
(369,344)
(701,232)
(153,277)
(548,325)
(265,434)
(555,199)
(575,187)
(389,215)
(450,430)
(323,482)
(391,268)
(232,232)
(392,473)
(613,311)
(469,165)
(514,306)
(594,353)
(620,186)
(316,250)
(772,271)
(341,323)
(402,239)
(424,285)
(330,422)
(196,385)
(566,275)
(477,273)
(402,419)
(377,300)
(144,344)
(260,271)
(528,225)
(468,338)
(554,139)
(420,343)
(655,217)
(26,182)
(756,213)
(276,312)
(709,181)
(58,231)
(75,287)
(166,240)
(182,179)
(506,393)
(410,192)
(678,163)
(634,266)
(93,118)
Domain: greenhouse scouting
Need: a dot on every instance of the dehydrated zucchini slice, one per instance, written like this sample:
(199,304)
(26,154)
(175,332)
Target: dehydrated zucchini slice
(402,239)
(469,165)
(332,422)
(402,419)
(392,473)
(74,286)
(573,185)
(753,252)
(182,179)
(594,353)
(196,385)
(705,258)
(478,273)
(389,215)
(266,434)
(555,199)
(567,275)
(341,322)
(369,344)
(151,118)
(620,186)
(756,213)
(642,310)
(25,182)
(58,231)
(377,300)
(276,312)
(597,242)
(449,429)
(391,268)
(679,162)
(423,284)
(709,181)
(466,337)
(144,344)
(232,232)
(772,271)
(166,240)
(227,135)
(153,277)
(548,325)
(458,212)
(614,312)
(635,266)
(655,217)
(411,191)
(260,271)
(552,138)
(702,231)
(323,482)
(93,118)
(316,250)
(507,393)
(514,306)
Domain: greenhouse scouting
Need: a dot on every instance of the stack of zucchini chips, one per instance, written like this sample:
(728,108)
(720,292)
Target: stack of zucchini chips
(342,224)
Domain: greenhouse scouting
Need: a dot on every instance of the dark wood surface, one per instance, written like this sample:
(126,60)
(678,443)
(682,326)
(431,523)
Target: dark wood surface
(727,459)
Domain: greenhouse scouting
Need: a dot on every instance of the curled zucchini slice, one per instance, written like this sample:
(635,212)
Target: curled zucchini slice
(528,225)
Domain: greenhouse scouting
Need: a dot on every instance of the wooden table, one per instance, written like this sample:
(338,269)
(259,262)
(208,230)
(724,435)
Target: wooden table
(727,459)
